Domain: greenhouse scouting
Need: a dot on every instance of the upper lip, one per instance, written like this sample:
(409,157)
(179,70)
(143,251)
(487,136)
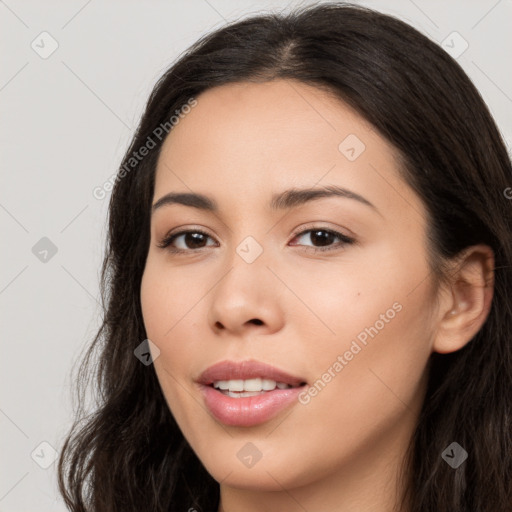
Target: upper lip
(242,370)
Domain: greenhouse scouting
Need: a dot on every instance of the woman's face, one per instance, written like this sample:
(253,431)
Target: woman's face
(271,281)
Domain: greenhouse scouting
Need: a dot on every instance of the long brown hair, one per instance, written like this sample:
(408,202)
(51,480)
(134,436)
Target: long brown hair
(128,454)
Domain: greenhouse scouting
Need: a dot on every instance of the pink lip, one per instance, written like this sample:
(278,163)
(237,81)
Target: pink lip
(252,410)
(232,370)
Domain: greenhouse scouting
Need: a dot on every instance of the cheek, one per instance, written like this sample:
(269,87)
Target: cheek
(167,296)
(377,318)
(167,302)
(367,390)
(174,309)
(168,308)
(365,289)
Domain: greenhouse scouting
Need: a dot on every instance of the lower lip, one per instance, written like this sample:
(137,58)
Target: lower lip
(250,410)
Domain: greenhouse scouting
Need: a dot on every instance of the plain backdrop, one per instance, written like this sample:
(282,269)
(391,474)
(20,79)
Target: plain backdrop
(66,120)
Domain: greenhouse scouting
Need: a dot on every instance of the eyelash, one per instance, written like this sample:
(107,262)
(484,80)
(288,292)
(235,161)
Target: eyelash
(345,240)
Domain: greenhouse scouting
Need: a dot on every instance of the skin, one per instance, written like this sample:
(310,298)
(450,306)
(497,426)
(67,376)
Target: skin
(341,451)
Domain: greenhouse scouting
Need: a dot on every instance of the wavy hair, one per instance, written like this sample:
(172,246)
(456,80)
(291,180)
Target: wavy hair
(128,453)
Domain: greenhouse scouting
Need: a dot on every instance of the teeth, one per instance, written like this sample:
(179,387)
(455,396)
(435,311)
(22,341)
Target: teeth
(268,385)
(252,385)
(249,385)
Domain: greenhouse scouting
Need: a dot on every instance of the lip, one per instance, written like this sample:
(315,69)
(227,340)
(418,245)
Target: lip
(232,370)
(252,410)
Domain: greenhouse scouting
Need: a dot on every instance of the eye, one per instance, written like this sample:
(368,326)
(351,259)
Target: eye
(324,238)
(193,239)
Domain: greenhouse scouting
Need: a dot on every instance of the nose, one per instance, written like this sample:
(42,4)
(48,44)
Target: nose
(245,300)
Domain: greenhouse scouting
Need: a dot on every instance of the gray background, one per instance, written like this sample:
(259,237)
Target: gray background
(66,122)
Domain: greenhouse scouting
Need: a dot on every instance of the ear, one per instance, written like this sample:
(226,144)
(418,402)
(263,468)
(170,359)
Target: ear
(466,302)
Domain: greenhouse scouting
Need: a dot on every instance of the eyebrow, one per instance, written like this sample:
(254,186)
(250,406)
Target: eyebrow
(285,200)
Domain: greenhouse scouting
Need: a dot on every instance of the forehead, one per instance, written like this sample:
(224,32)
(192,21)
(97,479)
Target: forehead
(248,139)
(282,114)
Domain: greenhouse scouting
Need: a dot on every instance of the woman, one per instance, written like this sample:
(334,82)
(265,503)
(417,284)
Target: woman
(306,279)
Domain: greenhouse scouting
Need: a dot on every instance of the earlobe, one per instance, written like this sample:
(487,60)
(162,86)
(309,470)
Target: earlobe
(471,291)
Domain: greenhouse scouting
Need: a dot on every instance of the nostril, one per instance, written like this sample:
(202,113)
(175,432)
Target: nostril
(256,321)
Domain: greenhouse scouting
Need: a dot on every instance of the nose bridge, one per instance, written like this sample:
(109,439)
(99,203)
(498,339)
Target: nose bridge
(249,246)
(246,292)
(248,273)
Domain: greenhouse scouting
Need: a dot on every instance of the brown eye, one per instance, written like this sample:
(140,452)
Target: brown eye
(194,240)
(323,239)
(189,241)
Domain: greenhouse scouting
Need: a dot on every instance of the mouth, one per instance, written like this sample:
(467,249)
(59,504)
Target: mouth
(240,388)
(248,376)
(248,393)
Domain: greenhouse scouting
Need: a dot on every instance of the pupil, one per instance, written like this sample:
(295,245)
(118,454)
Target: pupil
(194,238)
(322,240)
